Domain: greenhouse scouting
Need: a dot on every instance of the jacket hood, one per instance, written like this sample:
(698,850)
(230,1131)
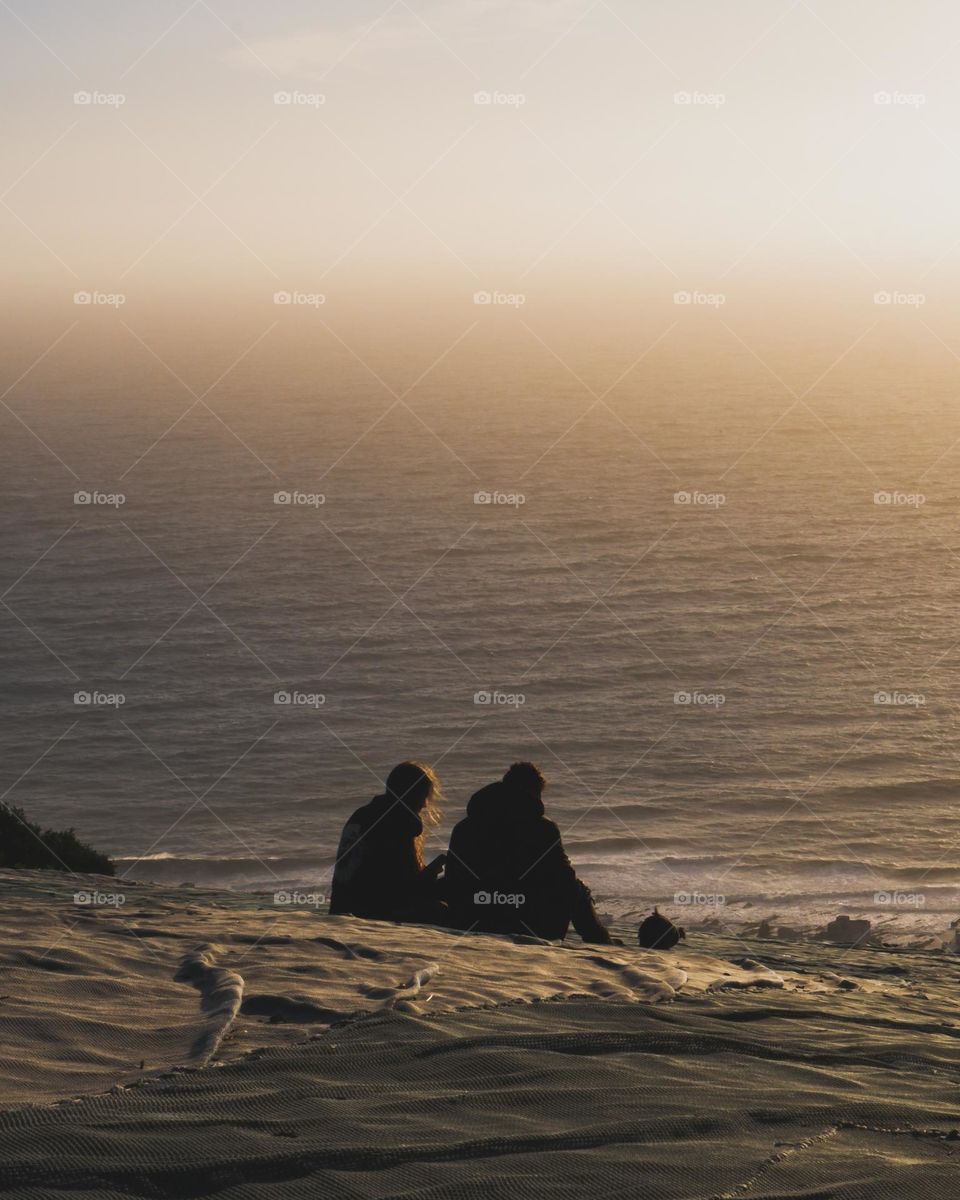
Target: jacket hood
(500,805)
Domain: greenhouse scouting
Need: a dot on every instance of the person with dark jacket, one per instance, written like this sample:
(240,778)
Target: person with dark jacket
(379,873)
(507,870)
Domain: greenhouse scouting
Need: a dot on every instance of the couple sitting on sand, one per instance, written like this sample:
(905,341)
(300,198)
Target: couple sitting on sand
(506,870)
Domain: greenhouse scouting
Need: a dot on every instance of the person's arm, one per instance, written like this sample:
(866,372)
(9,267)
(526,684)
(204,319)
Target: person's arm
(458,878)
(554,868)
(428,884)
(561,878)
(345,868)
(434,867)
(585,919)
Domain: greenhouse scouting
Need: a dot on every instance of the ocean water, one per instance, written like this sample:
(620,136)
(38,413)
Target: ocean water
(734,662)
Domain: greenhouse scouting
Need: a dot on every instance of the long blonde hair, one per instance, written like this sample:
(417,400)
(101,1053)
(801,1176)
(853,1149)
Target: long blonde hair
(417,786)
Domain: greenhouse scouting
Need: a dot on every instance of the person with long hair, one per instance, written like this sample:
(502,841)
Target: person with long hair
(380,872)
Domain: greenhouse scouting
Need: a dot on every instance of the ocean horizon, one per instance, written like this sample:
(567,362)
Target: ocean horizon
(694,606)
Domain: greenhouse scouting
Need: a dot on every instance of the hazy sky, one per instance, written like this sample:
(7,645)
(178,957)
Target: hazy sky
(384,173)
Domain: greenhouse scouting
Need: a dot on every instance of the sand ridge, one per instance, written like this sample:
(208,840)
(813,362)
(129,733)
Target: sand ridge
(556,1099)
(197,1044)
(101,996)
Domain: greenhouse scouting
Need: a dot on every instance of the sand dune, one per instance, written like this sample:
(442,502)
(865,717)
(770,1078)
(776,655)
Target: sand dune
(170,977)
(291,1053)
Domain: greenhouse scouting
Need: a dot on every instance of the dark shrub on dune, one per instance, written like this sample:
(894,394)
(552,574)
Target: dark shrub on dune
(23,844)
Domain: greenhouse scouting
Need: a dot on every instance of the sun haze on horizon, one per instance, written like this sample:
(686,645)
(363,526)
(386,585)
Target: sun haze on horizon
(587,156)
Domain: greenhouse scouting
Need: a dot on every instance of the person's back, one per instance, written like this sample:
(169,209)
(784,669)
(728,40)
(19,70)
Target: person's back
(507,870)
(379,870)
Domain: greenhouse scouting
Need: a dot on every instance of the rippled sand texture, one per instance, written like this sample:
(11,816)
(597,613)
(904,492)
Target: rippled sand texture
(200,1043)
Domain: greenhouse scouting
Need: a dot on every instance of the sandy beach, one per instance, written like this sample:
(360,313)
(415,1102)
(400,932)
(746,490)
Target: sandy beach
(187,1042)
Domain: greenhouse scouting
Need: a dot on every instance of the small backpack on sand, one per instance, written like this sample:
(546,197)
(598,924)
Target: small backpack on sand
(658,933)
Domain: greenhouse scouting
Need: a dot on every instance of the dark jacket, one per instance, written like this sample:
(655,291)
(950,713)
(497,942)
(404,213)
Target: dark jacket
(377,872)
(507,870)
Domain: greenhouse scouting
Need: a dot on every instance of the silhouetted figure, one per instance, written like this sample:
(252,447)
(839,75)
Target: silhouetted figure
(507,870)
(658,932)
(379,872)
